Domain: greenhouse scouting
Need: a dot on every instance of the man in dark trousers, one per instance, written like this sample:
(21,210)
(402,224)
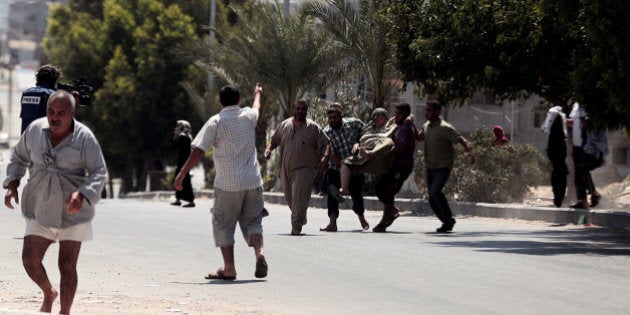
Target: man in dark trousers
(439,156)
(389,184)
(343,133)
(34,99)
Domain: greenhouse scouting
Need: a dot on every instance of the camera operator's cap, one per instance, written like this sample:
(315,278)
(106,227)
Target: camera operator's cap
(335,107)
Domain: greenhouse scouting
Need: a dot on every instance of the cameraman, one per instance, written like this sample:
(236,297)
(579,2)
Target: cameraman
(34,99)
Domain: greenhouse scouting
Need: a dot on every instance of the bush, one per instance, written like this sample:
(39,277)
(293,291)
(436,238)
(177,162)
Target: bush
(499,175)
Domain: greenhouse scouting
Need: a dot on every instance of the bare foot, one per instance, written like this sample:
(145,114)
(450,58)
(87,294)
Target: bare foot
(49,299)
(329,228)
(364,224)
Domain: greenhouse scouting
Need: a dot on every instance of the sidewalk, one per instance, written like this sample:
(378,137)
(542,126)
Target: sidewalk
(613,218)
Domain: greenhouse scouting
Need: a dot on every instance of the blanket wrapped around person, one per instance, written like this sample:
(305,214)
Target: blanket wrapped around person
(378,141)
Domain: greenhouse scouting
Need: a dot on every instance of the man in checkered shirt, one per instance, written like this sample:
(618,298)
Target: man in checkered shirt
(343,132)
(237,184)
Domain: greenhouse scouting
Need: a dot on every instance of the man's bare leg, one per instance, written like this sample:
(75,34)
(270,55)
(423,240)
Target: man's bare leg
(257,242)
(261,264)
(229,268)
(33,252)
(68,257)
(345,179)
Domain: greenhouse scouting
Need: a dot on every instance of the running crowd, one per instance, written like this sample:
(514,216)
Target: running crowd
(67,173)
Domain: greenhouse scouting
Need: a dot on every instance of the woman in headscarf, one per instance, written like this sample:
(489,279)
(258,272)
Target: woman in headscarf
(183,138)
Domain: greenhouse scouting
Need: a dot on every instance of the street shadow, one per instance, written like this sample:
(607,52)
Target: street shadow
(601,242)
(221,282)
(299,235)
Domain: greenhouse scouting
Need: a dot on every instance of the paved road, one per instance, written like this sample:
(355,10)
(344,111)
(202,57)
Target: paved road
(151,251)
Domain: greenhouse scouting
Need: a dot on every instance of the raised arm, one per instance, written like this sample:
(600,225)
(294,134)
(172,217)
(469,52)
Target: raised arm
(257,95)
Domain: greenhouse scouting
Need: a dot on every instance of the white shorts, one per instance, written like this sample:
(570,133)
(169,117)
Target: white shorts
(80,233)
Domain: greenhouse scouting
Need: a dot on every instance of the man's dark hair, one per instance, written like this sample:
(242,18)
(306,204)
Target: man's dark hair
(47,76)
(405,108)
(229,95)
(435,105)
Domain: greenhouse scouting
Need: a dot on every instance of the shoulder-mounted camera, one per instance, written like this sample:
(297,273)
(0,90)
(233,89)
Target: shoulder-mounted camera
(79,86)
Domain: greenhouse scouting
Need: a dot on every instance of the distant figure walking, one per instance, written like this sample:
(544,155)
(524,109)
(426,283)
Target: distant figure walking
(183,139)
(302,144)
(582,179)
(439,156)
(555,126)
(237,184)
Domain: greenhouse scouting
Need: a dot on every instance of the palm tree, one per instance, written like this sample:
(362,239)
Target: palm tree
(287,55)
(361,36)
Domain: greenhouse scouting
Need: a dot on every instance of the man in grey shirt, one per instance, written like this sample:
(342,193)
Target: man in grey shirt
(67,174)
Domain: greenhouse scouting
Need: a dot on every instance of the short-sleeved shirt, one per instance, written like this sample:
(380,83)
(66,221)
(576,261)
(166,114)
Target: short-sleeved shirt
(33,104)
(232,135)
(342,139)
(75,164)
(439,138)
(299,146)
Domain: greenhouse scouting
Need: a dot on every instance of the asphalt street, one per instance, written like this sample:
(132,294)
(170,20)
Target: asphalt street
(147,248)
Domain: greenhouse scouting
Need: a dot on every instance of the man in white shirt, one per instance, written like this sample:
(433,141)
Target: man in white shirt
(237,183)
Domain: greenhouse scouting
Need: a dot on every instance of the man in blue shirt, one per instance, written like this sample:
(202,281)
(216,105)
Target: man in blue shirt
(34,99)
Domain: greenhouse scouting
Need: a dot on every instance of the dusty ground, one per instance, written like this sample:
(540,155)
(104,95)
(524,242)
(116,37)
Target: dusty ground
(614,197)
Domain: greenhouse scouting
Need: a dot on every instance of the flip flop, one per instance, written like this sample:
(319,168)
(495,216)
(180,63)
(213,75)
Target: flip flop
(261,269)
(219,275)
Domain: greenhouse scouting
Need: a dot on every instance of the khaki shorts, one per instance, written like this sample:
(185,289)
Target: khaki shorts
(230,207)
(80,233)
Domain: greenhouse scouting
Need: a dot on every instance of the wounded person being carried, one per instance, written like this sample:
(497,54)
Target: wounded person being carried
(374,152)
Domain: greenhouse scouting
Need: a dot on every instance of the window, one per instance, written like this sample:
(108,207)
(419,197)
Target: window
(539,118)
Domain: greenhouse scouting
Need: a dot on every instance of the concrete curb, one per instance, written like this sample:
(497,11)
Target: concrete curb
(614,219)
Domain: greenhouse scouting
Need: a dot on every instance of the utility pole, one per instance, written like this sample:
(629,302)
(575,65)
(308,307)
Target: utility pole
(286,9)
(213,13)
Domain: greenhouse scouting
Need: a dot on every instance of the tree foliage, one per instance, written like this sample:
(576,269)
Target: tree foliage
(361,36)
(287,54)
(556,49)
(129,55)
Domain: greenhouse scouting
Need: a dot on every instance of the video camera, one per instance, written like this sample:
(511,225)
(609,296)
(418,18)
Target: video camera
(85,91)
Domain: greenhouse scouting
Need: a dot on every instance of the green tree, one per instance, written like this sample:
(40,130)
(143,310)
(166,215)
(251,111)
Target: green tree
(556,49)
(361,36)
(601,75)
(286,54)
(130,54)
